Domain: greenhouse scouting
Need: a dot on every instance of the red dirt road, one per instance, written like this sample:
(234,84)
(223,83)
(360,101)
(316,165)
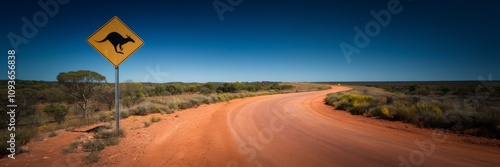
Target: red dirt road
(277,130)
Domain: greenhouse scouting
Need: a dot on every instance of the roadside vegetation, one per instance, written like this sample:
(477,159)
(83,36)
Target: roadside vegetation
(103,137)
(465,109)
(84,97)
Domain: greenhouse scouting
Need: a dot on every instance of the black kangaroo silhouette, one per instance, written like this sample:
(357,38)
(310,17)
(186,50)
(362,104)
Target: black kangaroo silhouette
(117,40)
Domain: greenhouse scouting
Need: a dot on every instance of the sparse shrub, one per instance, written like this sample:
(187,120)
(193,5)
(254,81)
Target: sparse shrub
(71,147)
(375,112)
(155,108)
(155,119)
(24,149)
(71,128)
(112,141)
(415,99)
(381,112)
(147,124)
(399,111)
(140,110)
(105,133)
(342,105)
(121,133)
(386,113)
(412,88)
(378,101)
(168,111)
(80,137)
(197,101)
(173,105)
(106,116)
(52,134)
(457,120)
(124,114)
(68,149)
(389,100)
(352,98)
(423,91)
(359,109)
(93,145)
(24,135)
(92,157)
(444,90)
(331,99)
(185,105)
(43,128)
(426,115)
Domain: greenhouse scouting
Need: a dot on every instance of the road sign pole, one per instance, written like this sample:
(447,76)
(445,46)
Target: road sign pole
(109,40)
(117,99)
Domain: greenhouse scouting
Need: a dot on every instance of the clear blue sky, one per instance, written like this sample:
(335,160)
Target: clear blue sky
(263,40)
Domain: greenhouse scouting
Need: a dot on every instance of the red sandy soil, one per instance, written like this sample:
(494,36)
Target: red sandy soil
(276,130)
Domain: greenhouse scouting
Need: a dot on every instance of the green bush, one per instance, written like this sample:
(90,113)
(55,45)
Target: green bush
(342,105)
(381,112)
(23,136)
(141,110)
(185,105)
(124,114)
(57,111)
(426,115)
(331,99)
(359,109)
(93,145)
(375,112)
(353,98)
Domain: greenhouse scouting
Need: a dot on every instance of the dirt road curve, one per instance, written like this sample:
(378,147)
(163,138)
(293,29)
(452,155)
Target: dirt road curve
(277,130)
(298,130)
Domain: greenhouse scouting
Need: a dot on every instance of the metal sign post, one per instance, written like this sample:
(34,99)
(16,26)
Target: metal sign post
(117,99)
(116,42)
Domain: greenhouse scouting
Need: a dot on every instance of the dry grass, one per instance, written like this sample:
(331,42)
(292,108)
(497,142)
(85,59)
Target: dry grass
(306,87)
(461,115)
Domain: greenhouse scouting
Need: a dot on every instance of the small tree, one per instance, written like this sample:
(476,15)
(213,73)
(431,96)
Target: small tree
(80,85)
(131,93)
(413,88)
(57,111)
(107,96)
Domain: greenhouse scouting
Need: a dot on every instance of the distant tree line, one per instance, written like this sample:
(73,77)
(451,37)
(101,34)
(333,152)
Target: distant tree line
(90,92)
(209,88)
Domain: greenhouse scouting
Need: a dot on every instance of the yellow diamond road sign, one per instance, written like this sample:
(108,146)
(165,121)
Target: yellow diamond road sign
(115,41)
